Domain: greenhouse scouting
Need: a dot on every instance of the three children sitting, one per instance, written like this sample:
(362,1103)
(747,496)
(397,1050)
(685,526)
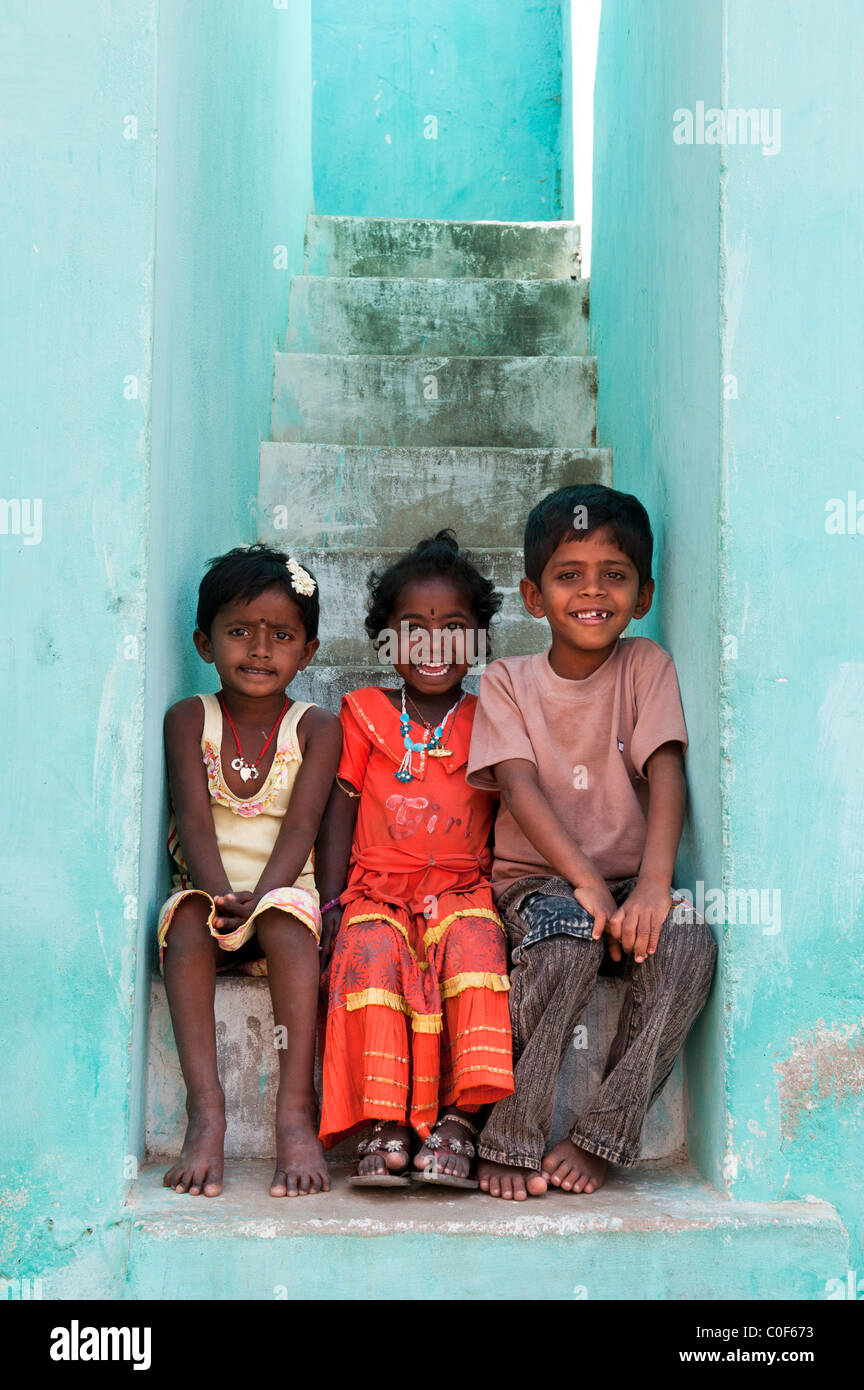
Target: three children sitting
(426,890)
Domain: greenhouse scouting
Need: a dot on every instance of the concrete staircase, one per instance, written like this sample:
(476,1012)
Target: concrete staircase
(434,373)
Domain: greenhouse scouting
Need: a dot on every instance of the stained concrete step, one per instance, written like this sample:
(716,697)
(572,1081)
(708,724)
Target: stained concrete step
(342,574)
(546,402)
(408,246)
(328,494)
(649,1233)
(248,1067)
(472,318)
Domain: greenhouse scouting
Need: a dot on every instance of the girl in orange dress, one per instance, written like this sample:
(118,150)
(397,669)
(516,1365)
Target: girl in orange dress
(418,1030)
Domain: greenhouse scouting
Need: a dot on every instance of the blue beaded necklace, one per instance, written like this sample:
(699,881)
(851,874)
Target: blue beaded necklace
(432,746)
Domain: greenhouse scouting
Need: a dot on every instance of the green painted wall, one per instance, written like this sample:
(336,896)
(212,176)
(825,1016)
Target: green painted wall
(489,74)
(234,187)
(77,277)
(791,242)
(656,329)
(730,374)
(143,308)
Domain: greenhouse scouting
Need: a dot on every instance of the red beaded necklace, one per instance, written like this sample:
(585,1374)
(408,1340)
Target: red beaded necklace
(240,764)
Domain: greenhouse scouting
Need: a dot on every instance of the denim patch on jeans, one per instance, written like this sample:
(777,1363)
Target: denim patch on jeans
(545,916)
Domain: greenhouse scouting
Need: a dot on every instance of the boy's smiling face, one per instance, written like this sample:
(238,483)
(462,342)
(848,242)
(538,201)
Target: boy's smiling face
(589,591)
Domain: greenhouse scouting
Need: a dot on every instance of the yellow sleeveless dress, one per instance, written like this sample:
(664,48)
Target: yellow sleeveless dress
(246,831)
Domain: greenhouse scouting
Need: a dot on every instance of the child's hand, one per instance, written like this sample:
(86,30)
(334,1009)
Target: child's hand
(233,910)
(637,922)
(595,897)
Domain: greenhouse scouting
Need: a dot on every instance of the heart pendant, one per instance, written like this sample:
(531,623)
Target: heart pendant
(247,772)
(440,752)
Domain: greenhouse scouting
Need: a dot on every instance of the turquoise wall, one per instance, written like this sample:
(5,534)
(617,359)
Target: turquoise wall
(143,307)
(730,389)
(234,190)
(792,285)
(76,280)
(656,329)
(489,74)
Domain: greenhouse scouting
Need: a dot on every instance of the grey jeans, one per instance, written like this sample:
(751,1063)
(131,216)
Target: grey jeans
(555,970)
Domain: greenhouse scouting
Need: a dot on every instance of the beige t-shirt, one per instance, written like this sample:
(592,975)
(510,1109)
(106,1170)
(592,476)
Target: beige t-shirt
(589,740)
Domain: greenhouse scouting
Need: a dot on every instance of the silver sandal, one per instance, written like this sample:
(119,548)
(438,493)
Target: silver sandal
(463,1147)
(377,1145)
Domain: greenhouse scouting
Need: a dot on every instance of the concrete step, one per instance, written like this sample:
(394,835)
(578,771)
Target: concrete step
(408,246)
(473,318)
(248,1067)
(545,402)
(342,576)
(327,494)
(648,1234)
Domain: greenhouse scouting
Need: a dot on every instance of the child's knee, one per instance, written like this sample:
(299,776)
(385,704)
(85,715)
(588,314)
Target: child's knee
(560,958)
(687,942)
(277,928)
(376,937)
(187,936)
(475,938)
(189,919)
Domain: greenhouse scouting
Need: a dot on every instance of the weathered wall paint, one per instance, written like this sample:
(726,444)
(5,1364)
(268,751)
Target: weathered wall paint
(794,698)
(566,181)
(449,111)
(655,317)
(77,289)
(119,234)
(737,417)
(234,185)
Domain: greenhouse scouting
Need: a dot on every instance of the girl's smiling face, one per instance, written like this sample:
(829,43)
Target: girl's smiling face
(257,645)
(436,634)
(589,591)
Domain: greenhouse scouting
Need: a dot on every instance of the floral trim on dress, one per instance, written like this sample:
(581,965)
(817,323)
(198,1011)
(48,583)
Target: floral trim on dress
(297,902)
(273,785)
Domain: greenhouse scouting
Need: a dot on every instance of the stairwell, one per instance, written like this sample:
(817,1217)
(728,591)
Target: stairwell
(436,374)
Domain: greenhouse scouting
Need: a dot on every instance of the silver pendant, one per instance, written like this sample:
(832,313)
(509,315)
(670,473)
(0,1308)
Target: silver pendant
(245,769)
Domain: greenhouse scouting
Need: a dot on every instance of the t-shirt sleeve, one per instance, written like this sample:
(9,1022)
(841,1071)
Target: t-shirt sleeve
(659,716)
(499,730)
(356,747)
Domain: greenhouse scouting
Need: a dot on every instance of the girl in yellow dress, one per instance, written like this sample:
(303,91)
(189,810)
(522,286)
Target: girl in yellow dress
(250,771)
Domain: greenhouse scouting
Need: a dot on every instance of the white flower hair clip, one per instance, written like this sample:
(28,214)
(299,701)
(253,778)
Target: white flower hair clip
(301,581)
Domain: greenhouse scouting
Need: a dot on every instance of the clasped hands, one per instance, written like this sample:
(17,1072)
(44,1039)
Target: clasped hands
(233,909)
(634,927)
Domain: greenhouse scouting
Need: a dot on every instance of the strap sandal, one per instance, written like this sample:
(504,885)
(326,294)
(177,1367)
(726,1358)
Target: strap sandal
(462,1147)
(377,1145)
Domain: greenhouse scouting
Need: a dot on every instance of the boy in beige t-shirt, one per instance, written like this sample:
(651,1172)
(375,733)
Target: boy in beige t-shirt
(585,743)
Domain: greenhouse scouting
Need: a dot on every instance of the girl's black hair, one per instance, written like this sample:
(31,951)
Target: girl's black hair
(437,555)
(244,573)
(574,513)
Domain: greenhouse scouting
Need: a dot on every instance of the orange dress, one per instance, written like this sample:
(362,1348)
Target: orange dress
(417,1015)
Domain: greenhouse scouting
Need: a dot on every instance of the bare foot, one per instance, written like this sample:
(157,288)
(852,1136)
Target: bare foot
(201,1163)
(300,1167)
(513,1184)
(442,1158)
(574,1169)
(387,1161)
